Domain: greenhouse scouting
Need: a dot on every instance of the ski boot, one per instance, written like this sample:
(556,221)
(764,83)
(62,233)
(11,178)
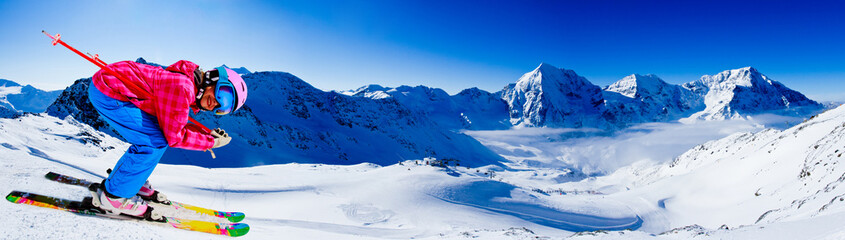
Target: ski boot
(148,193)
(134,207)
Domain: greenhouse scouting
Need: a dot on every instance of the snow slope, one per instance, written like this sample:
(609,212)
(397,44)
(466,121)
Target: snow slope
(765,178)
(292,201)
(689,198)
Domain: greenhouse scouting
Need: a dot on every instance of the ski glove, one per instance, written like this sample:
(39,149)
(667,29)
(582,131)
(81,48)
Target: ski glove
(218,131)
(221,138)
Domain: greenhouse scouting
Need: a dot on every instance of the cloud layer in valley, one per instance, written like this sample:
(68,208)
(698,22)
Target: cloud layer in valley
(594,152)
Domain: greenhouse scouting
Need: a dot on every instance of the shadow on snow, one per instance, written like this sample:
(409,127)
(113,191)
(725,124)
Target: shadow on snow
(496,197)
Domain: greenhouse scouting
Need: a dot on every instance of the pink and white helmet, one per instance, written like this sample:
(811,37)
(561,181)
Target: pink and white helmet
(230,91)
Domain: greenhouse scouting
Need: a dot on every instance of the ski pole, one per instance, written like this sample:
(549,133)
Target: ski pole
(95,59)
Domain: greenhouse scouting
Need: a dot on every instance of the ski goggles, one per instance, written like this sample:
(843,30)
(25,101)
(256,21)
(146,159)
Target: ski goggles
(224,92)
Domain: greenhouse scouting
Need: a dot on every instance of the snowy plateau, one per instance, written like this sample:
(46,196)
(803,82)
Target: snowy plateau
(551,156)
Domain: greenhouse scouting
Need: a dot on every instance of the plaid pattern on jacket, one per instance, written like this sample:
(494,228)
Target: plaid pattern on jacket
(168,95)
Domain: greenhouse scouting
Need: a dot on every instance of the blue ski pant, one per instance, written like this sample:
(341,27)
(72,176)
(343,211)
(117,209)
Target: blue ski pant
(138,128)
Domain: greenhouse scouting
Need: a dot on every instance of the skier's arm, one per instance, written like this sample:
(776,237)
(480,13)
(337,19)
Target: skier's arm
(172,107)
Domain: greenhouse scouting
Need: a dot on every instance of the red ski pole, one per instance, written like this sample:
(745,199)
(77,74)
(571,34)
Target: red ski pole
(100,63)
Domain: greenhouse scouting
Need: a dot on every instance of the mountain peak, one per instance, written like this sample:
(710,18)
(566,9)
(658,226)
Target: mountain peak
(746,77)
(738,92)
(372,88)
(548,76)
(750,72)
(141,60)
(548,96)
(373,91)
(644,79)
(749,69)
(632,84)
(545,67)
(470,91)
(8,83)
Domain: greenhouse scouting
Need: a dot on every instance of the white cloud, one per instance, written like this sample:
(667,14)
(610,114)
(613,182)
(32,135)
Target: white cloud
(594,152)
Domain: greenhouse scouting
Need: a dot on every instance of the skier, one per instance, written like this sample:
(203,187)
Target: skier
(157,118)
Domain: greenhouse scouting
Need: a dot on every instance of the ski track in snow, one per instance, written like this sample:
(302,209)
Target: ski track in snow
(280,190)
(342,229)
(38,153)
(492,195)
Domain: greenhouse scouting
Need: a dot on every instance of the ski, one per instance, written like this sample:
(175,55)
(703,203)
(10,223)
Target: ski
(176,206)
(85,207)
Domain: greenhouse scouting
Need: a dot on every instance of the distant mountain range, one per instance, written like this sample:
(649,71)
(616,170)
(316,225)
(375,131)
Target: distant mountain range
(287,120)
(16,99)
(555,97)
(470,109)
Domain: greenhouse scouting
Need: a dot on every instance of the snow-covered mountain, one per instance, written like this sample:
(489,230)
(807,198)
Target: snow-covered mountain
(472,108)
(556,97)
(17,98)
(144,61)
(766,177)
(290,121)
(8,83)
(647,98)
(482,110)
(287,120)
(745,91)
(373,91)
(300,123)
(8,113)
(433,103)
(73,101)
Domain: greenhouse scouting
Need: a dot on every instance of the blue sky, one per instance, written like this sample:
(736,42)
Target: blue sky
(340,45)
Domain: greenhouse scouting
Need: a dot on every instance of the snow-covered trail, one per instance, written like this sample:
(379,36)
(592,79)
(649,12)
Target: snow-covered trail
(294,201)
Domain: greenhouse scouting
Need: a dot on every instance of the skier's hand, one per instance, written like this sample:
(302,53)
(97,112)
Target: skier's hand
(221,138)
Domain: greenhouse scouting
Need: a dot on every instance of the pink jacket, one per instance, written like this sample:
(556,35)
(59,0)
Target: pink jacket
(171,96)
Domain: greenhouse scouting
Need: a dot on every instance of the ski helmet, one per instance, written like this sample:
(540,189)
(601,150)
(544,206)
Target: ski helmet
(230,91)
